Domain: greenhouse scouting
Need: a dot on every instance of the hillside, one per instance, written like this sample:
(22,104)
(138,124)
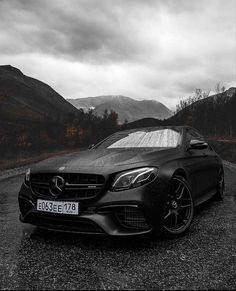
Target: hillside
(23,98)
(33,117)
(126,107)
(213,116)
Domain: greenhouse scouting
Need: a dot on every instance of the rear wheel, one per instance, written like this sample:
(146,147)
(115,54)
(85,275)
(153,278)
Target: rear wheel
(220,186)
(179,209)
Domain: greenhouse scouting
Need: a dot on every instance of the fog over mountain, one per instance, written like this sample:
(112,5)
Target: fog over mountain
(126,107)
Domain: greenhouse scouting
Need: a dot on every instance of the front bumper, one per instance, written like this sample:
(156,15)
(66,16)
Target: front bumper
(132,212)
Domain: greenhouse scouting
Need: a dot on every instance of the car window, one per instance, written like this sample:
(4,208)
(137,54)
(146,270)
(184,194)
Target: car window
(158,138)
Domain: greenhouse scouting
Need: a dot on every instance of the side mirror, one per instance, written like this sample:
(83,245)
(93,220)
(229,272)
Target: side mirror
(197,145)
(91,146)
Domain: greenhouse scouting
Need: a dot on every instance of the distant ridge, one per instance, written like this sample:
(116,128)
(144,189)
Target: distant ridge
(126,107)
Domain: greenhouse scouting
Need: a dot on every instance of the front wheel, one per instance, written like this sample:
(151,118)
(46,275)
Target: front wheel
(179,209)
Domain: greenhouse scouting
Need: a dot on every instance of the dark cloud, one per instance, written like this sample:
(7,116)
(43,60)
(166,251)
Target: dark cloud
(102,30)
(142,48)
(76,29)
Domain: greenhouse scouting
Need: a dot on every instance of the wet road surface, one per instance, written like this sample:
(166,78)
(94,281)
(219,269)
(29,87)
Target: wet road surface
(203,259)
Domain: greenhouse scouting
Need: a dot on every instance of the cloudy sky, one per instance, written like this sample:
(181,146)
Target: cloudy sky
(145,49)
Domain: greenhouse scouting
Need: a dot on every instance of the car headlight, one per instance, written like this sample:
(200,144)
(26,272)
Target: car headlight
(27,177)
(134,178)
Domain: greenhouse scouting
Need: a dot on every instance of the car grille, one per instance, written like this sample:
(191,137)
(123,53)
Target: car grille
(77,186)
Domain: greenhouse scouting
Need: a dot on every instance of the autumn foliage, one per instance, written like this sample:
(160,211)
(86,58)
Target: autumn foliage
(77,130)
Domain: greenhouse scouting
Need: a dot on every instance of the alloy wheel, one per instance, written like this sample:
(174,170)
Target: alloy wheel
(179,207)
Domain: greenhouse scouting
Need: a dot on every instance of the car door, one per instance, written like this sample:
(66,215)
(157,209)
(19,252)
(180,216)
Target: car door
(199,165)
(212,169)
(212,165)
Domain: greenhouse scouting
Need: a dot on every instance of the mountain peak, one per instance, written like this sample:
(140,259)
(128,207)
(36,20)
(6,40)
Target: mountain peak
(12,69)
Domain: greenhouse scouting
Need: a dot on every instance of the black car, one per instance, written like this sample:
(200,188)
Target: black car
(138,181)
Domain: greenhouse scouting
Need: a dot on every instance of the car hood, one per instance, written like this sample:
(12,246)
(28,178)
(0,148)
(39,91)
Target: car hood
(103,161)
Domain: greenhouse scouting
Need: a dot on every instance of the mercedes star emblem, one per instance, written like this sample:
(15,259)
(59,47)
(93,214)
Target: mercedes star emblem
(56,186)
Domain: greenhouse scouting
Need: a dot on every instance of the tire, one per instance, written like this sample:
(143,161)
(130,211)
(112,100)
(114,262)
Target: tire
(220,187)
(179,208)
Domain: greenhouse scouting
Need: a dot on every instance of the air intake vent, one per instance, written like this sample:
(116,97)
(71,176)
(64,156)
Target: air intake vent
(132,217)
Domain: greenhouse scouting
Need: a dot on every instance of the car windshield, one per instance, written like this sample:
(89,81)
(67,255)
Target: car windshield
(144,138)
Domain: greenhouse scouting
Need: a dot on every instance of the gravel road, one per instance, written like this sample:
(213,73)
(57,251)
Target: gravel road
(203,259)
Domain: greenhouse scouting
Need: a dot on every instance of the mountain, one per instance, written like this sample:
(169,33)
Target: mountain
(35,120)
(28,99)
(126,107)
(213,116)
(33,117)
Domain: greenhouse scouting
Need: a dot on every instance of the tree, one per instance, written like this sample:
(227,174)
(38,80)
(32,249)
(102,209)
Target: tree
(206,94)
(219,89)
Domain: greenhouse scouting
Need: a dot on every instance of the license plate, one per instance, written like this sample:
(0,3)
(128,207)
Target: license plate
(60,207)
